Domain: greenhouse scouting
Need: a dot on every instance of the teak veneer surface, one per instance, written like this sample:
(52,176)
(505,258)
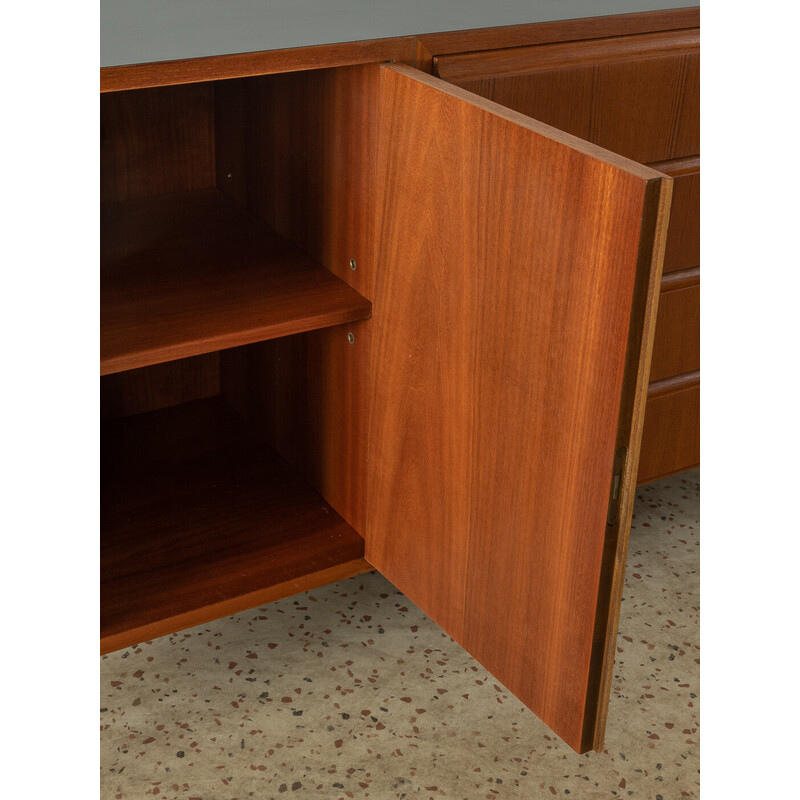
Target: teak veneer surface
(671,436)
(262,62)
(156,142)
(676,349)
(683,238)
(564,30)
(307,166)
(506,62)
(634,95)
(200,520)
(499,362)
(194,272)
(486,404)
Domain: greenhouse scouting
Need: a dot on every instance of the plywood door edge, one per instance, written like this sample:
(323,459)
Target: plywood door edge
(655,220)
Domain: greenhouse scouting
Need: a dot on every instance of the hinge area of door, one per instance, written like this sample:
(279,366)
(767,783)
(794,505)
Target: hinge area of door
(620,458)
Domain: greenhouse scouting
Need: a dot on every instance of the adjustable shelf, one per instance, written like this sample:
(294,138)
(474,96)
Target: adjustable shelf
(194,272)
(201,520)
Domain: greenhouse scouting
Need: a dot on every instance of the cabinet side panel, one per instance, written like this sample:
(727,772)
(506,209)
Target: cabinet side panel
(500,345)
(299,150)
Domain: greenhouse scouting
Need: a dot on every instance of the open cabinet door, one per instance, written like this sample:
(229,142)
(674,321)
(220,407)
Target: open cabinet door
(517,269)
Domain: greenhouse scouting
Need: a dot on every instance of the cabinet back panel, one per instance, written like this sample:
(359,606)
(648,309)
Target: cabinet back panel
(305,395)
(299,151)
(138,391)
(156,141)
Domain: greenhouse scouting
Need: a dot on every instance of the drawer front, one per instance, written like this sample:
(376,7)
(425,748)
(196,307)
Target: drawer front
(671,437)
(683,237)
(635,95)
(676,348)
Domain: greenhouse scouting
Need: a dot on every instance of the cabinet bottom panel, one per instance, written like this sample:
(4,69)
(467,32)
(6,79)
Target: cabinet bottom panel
(200,520)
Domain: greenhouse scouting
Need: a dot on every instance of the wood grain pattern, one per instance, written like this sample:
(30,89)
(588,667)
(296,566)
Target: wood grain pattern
(656,89)
(504,63)
(484,358)
(301,152)
(156,141)
(671,437)
(199,520)
(680,279)
(193,273)
(635,95)
(470,41)
(306,397)
(641,334)
(683,239)
(499,358)
(240,65)
(298,150)
(677,344)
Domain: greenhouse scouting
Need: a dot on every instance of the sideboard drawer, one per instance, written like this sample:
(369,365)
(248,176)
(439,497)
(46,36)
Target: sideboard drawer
(635,95)
(671,437)
(683,236)
(676,348)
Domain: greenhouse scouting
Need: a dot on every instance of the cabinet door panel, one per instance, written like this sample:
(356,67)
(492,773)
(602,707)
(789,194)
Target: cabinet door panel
(513,310)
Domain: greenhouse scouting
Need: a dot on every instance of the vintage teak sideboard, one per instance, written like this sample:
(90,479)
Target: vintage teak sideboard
(391,304)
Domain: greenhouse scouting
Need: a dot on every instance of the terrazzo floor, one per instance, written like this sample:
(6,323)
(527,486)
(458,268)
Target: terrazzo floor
(349,691)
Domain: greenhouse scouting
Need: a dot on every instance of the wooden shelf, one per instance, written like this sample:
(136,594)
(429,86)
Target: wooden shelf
(199,520)
(192,273)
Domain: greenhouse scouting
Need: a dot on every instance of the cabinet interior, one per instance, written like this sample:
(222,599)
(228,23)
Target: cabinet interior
(233,344)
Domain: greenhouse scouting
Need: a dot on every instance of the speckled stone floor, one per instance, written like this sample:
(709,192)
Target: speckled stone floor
(349,691)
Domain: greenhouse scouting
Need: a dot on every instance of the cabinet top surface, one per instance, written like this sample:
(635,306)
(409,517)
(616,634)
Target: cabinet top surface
(167,30)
